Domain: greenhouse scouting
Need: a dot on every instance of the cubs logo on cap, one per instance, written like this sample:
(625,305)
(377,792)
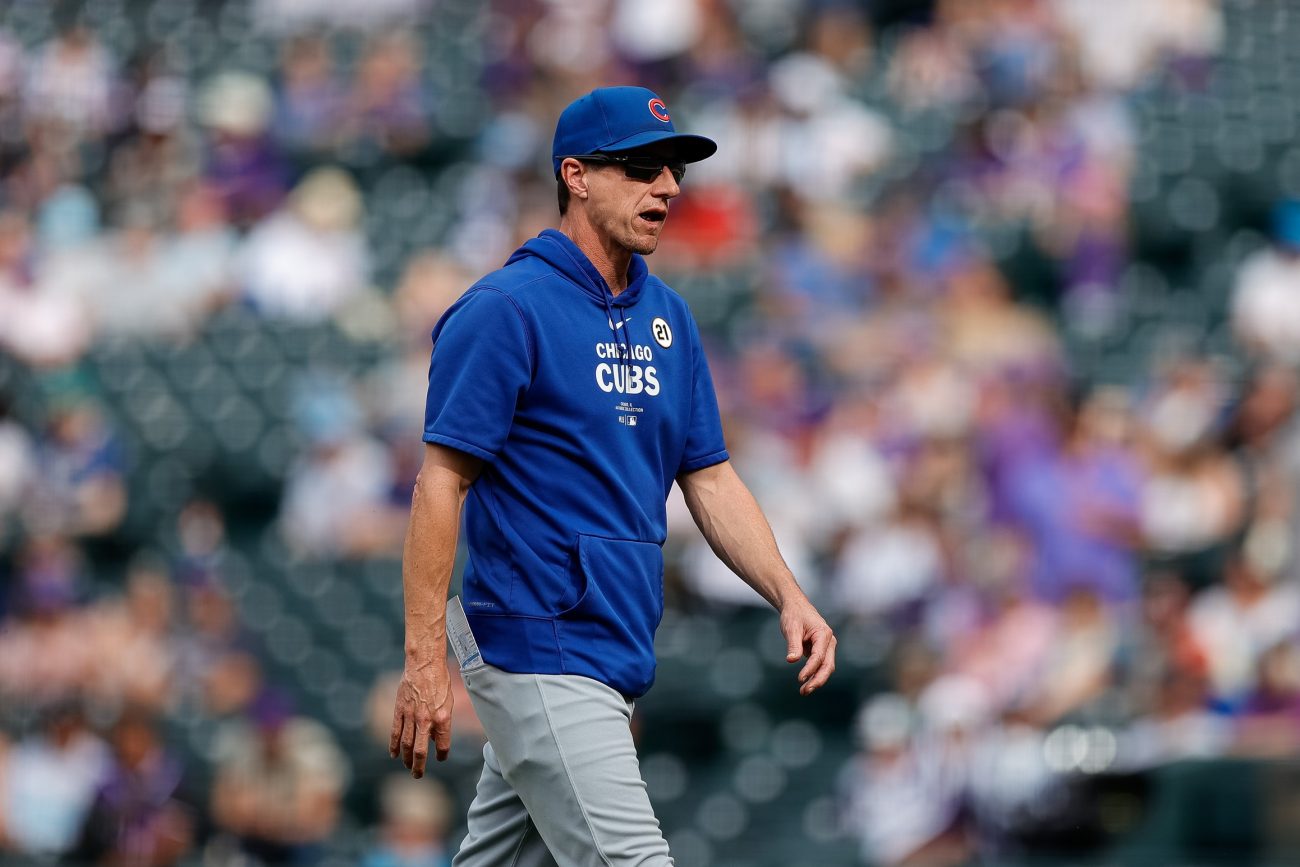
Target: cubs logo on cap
(616,120)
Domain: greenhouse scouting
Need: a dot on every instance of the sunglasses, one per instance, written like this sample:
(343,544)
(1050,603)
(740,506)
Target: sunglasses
(644,169)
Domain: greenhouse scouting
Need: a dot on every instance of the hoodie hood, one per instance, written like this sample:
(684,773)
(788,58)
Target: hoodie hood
(558,250)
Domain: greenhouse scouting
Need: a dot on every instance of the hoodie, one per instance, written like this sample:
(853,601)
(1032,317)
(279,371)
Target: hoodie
(584,407)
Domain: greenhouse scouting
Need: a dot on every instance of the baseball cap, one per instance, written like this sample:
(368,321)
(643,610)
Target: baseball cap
(619,119)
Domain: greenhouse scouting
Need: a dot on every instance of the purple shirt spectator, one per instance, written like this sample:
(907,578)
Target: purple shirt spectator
(136,818)
(1074,507)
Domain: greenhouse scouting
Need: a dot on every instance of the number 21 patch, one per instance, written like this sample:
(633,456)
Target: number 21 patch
(663,334)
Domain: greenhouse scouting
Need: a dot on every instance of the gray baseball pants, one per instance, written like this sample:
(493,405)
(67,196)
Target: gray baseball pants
(561,786)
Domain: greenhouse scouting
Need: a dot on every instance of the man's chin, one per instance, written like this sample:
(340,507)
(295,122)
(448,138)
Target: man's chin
(644,244)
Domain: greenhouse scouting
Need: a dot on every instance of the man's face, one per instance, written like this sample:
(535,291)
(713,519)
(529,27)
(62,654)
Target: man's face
(629,211)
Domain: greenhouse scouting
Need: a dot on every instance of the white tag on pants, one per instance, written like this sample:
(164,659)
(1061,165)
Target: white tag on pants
(462,637)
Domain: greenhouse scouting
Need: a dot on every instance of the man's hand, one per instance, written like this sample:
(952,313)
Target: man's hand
(423,706)
(806,634)
(422,710)
(730,519)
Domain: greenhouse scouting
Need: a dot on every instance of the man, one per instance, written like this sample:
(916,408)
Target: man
(567,391)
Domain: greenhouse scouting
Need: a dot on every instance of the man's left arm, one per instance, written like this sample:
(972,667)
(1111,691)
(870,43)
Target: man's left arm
(732,522)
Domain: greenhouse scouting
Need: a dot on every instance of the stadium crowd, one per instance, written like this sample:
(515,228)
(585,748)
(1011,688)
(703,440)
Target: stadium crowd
(1065,574)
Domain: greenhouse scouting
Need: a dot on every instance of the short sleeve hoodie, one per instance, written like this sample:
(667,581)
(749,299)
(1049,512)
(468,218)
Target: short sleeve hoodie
(584,406)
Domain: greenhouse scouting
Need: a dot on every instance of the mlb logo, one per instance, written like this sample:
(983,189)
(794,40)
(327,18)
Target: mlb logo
(629,420)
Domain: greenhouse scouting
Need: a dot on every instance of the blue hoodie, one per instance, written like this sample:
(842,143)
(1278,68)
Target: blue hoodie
(584,406)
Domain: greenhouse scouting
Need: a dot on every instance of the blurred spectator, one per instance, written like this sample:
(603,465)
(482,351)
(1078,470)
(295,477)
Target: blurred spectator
(749,130)
(1179,725)
(290,16)
(79,462)
(216,671)
(13,66)
(306,260)
(1195,497)
(144,281)
(40,324)
(1270,721)
(986,331)
(855,481)
(163,153)
(242,164)
(1078,506)
(903,796)
(645,36)
(1078,667)
(138,281)
(393,394)
(891,564)
(48,781)
(1265,435)
(850,140)
(1007,652)
(415,816)
(1119,45)
(68,218)
(44,658)
(279,781)
(388,109)
(69,85)
(1236,623)
(307,99)
(818,270)
(1009,782)
(1164,645)
(336,501)
(197,258)
(131,640)
(138,816)
(1266,298)
(841,34)
(16,461)
(928,70)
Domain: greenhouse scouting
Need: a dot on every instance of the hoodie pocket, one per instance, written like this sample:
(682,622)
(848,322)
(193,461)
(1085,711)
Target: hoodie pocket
(611,628)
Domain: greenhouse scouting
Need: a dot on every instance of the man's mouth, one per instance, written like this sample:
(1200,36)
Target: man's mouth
(653,215)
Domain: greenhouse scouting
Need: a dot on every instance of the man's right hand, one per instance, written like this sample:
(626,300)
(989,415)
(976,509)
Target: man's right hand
(422,711)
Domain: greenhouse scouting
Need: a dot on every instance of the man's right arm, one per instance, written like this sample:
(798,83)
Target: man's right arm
(423,706)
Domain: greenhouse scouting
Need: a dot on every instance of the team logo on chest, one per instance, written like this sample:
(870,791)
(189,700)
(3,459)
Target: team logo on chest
(626,367)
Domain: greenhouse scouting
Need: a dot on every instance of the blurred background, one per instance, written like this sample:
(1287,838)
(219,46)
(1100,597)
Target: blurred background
(1003,303)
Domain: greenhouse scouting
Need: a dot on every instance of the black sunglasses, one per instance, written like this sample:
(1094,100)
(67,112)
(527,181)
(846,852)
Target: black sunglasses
(644,169)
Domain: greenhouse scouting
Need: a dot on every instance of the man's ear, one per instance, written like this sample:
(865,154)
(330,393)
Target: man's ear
(574,174)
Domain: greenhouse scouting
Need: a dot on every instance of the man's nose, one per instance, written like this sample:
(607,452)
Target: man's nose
(665,185)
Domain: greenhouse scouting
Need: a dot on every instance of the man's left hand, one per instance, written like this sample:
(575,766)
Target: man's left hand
(807,635)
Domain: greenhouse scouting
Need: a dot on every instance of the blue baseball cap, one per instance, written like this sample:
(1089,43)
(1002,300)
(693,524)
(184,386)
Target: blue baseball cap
(620,119)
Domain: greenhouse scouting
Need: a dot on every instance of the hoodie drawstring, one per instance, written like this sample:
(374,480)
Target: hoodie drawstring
(627,344)
(620,338)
